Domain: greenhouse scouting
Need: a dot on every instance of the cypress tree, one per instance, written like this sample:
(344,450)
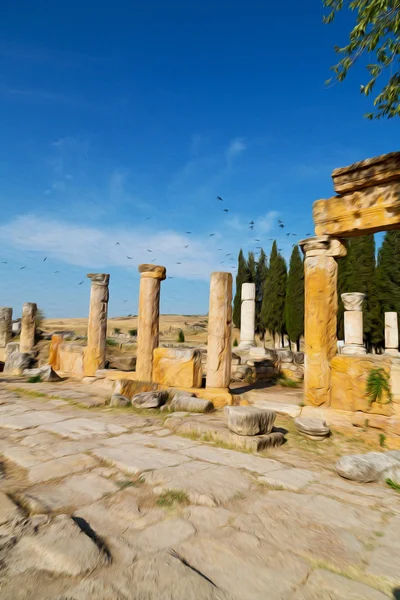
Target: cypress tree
(388,279)
(294,305)
(251,268)
(261,275)
(241,277)
(273,305)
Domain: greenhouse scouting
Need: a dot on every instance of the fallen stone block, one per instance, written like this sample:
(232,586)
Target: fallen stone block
(176,367)
(369,467)
(45,372)
(118,400)
(122,363)
(17,362)
(314,429)
(149,399)
(249,420)
(188,403)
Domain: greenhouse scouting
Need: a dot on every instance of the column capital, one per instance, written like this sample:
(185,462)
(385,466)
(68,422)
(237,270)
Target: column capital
(6,313)
(353,300)
(153,271)
(323,245)
(99,278)
(248,291)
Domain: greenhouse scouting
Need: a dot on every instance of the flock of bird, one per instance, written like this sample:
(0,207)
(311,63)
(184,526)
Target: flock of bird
(227,258)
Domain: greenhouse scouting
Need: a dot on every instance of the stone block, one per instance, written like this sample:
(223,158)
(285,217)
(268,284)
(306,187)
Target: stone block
(365,468)
(45,372)
(122,363)
(149,399)
(249,420)
(367,173)
(17,362)
(54,359)
(315,429)
(184,402)
(178,368)
(71,359)
(117,400)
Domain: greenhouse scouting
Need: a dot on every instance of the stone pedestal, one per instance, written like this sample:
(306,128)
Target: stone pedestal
(5,326)
(95,353)
(219,349)
(320,312)
(247,316)
(148,318)
(28,327)
(391,334)
(353,323)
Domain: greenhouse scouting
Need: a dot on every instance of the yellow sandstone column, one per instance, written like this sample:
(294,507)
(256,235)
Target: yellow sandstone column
(219,347)
(95,353)
(320,312)
(28,327)
(148,318)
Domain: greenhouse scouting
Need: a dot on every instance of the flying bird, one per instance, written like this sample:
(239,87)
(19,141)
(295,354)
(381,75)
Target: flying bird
(80,283)
(279,221)
(130,257)
(288,234)
(186,246)
(226,210)
(222,262)
(44,260)
(153,260)
(257,240)
(170,277)
(211,234)
(251,223)
(308,234)
(188,232)
(117,244)
(178,263)
(251,227)
(56,271)
(149,250)
(4,262)
(219,249)
(147,218)
(229,254)
(219,198)
(270,239)
(281,225)
(22,268)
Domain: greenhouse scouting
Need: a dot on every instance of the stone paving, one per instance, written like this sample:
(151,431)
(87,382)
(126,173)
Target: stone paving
(99,503)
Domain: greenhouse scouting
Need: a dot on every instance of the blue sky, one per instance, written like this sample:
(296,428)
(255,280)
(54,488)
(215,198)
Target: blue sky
(111,113)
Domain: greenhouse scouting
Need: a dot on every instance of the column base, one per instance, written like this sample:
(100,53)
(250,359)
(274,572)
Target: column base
(350,349)
(392,352)
(245,346)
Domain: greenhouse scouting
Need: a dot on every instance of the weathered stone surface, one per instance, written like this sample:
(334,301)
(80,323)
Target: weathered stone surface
(71,358)
(72,493)
(219,348)
(249,420)
(179,368)
(349,381)
(95,352)
(149,399)
(231,458)
(122,363)
(164,535)
(82,428)
(184,402)
(8,510)
(133,459)
(17,362)
(28,327)
(325,585)
(29,419)
(293,410)
(5,326)
(54,359)
(118,400)
(206,519)
(315,429)
(46,373)
(148,318)
(92,589)
(205,484)
(366,173)
(367,467)
(289,479)
(382,562)
(61,548)
(60,467)
(359,212)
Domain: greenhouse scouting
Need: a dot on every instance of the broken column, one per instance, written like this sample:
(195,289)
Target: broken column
(148,318)
(95,352)
(247,316)
(353,323)
(320,313)
(219,350)
(28,327)
(391,333)
(5,326)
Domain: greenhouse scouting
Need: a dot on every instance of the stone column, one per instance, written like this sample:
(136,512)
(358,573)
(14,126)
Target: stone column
(219,349)
(5,326)
(95,352)
(148,318)
(28,327)
(320,312)
(391,333)
(247,316)
(353,323)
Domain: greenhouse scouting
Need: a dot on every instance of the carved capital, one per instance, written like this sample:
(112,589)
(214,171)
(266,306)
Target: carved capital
(99,278)
(323,245)
(353,300)
(153,271)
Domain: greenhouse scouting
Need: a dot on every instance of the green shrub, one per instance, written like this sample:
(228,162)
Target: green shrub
(393,485)
(35,378)
(116,330)
(378,382)
(132,332)
(382,440)
(172,498)
(111,342)
(181,336)
(286,382)
(235,342)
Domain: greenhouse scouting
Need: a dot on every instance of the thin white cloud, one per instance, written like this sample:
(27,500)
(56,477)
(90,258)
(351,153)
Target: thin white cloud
(235,148)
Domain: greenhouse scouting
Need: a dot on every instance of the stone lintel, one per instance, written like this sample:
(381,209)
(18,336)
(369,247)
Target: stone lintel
(366,173)
(153,271)
(323,245)
(99,278)
(376,208)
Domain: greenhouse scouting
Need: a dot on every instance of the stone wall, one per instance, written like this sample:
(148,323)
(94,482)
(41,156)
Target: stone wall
(71,359)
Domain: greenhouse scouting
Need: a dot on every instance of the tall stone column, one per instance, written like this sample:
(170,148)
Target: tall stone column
(353,323)
(148,318)
(95,352)
(391,333)
(28,327)
(247,316)
(320,313)
(219,348)
(5,326)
